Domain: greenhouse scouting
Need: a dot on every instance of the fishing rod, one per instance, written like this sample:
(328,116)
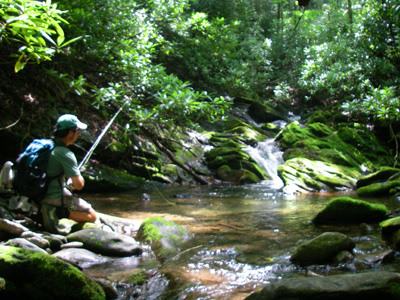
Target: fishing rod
(91,150)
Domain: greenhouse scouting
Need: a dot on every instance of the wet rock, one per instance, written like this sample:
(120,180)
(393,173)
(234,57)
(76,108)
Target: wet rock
(39,276)
(372,285)
(322,249)
(343,257)
(166,237)
(346,209)
(80,257)
(106,243)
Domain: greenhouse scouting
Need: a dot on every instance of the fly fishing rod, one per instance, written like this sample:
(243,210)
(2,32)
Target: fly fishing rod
(91,150)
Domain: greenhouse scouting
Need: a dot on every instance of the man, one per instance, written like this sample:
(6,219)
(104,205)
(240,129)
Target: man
(62,167)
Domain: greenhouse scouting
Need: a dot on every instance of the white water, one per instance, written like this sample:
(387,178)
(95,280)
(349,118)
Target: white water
(268,156)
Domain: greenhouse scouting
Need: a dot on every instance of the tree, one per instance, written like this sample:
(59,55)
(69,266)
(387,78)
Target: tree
(34,27)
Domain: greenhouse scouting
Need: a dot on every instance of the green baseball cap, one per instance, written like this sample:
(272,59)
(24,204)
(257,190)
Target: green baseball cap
(69,121)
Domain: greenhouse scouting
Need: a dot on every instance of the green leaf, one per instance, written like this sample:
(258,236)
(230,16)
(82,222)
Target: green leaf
(20,64)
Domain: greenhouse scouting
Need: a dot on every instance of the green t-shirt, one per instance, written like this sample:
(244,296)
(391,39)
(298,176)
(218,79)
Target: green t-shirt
(61,161)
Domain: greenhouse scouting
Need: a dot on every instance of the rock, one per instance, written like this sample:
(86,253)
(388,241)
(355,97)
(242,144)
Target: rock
(304,175)
(346,209)
(80,257)
(322,249)
(39,241)
(262,113)
(25,244)
(383,174)
(106,243)
(390,226)
(72,245)
(166,237)
(12,227)
(379,189)
(39,276)
(372,285)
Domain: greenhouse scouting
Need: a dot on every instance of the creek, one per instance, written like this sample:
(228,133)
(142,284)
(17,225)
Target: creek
(244,236)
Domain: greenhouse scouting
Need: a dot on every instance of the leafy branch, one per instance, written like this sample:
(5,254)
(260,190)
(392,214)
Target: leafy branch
(35,27)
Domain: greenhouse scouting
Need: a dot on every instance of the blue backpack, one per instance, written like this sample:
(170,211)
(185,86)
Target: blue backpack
(30,167)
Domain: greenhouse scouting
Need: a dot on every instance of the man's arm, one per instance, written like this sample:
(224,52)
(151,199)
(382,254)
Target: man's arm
(78,182)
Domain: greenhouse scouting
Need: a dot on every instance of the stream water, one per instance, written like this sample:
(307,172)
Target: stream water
(244,236)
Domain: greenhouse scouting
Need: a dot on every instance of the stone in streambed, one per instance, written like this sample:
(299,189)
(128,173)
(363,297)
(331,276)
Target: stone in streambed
(106,243)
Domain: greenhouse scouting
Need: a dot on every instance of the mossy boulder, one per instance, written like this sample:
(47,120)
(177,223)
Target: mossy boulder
(322,249)
(389,226)
(225,173)
(346,209)
(234,165)
(166,237)
(101,178)
(34,275)
(381,175)
(349,145)
(304,175)
(386,188)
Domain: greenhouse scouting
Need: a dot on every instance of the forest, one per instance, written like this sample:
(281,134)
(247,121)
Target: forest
(183,65)
(187,208)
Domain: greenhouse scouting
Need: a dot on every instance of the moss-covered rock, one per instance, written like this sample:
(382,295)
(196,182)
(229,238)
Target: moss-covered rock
(389,226)
(350,148)
(381,175)
(346,209)
(34,275)
(303,175)
(386,188)
(101,178)
(322,249)
(166,237)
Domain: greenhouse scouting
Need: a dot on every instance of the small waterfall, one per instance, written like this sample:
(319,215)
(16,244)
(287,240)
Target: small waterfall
(268,156)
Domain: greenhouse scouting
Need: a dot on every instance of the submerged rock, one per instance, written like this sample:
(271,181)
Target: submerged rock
(35,275)
(346,209)
(322,249)
(373,285)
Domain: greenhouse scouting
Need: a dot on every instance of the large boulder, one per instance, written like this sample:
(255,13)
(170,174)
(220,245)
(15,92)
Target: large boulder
(380,189)
(34,275)
(322,249)
(346,209)
(106,243)
(166,238)
(351,149)
(372,285)
(304,175)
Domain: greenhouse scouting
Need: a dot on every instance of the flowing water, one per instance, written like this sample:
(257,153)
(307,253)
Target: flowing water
(244,236)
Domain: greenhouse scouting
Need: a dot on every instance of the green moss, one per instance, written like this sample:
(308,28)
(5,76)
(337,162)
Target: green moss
(350,210)
(139,277)
(27,270)
(378,189)
(151,231)
(320,129)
